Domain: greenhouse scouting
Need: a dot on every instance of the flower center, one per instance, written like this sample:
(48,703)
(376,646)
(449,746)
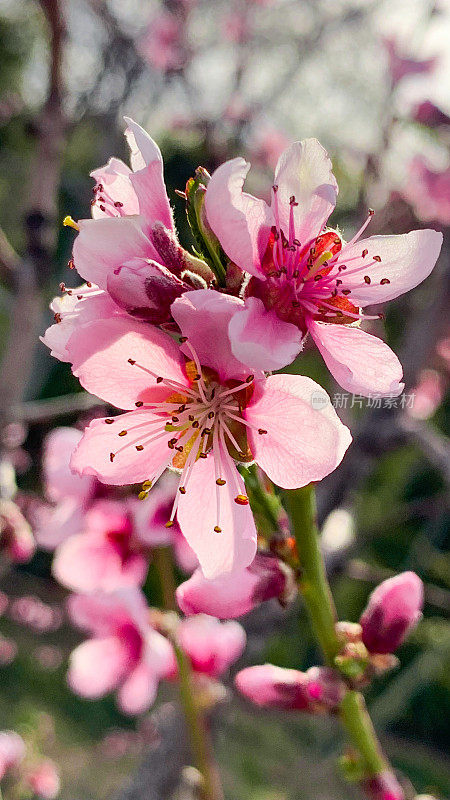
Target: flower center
(205,418)
(307,281)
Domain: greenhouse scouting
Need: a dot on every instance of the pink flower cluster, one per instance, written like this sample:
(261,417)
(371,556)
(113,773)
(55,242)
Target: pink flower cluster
(183,346)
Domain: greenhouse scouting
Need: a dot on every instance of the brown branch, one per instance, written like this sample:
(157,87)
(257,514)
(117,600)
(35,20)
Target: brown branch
(39,219)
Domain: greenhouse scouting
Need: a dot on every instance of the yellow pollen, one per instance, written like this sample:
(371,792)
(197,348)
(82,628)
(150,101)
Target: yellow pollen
(68,222)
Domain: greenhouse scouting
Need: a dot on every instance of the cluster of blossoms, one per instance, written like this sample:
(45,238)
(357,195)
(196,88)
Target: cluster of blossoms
(184,346)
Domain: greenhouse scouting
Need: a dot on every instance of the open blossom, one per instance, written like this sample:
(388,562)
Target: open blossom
(305,278)
(211,646)
(103,541)
(128,254)
(124,652)
(198,410)
(394,608)
(12,751)
(235,593)
(318,690)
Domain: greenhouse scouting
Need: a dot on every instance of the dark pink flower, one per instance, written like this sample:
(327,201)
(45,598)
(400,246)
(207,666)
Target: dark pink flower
(234,593)
(306,280)
(212,646)
(383,787)
(124,652)
(394,608)
(429,114)
(197,409)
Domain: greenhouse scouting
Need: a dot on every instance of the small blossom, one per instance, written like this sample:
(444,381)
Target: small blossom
(306,279)
(394,608)
(124,652)
(428,191)
(211,646)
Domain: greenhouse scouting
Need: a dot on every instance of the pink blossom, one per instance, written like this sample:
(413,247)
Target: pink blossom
(43,780)
(107,555)
(16,537)
(12,751)
(384,786)
(394,608)
(268,144)
(128,254)
(198,410)
(428,192)
(400,67)
(234,593)
(8,651)
(162,45)
(306,280)
(212,646)
(428,394)
(124,652)
(236,27)
(317,690)
(102,543)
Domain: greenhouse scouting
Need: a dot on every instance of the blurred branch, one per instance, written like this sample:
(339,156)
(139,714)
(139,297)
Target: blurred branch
(39,222)
(9,259)
(38,411)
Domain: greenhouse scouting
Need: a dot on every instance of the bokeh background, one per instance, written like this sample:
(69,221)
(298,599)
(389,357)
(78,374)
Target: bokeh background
(211,80)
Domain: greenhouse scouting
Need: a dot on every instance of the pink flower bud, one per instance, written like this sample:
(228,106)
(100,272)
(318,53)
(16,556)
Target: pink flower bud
(384,787)
(274,687)
(394,608)
(234,593)
(315,691)
(145,289)
(44,780)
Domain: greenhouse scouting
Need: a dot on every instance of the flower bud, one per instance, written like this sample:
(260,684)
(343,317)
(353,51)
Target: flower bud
(12,751)
(211,646)
(317,691)
(44,781)
(145,289)
(235,593)
(383,787)
(394,608)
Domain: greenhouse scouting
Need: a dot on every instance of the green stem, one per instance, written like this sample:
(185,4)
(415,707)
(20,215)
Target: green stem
(315,589)
(195,721)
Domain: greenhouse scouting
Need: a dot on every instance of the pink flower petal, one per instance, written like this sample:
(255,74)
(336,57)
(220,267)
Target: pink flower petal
(304,171)
(301,444)
(274,687)
(234,593)
(105,244)
(204,316)
(197,516)
(126,465)
(89,563)
(100,353)
(138,692)
(73,313)
(261,339)
(212,646)
(60,482)
(107,614)
(361,363)
(115,179)
(406,260)
(97,667)
(240,221)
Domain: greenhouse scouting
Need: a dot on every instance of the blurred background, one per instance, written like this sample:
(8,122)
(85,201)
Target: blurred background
(211,80)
